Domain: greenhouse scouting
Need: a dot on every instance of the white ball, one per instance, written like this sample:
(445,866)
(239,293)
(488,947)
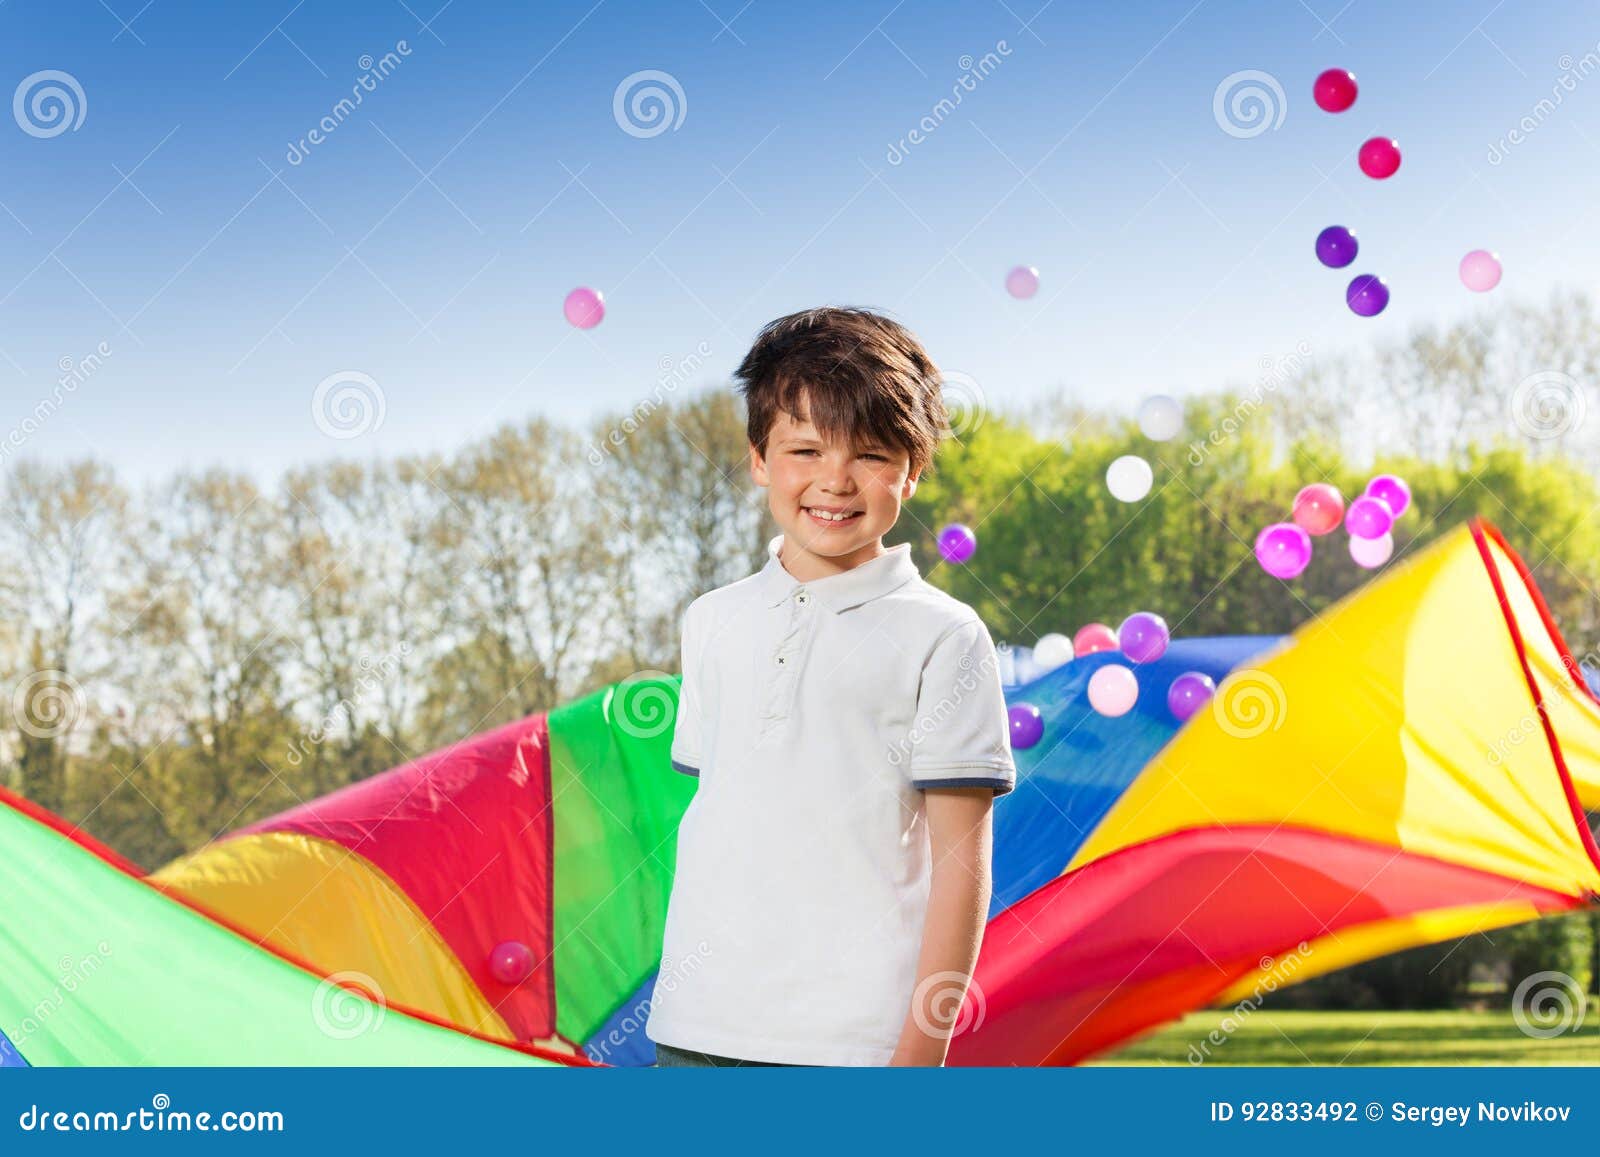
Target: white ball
(1160,417)
(1052,650)
(1129,478)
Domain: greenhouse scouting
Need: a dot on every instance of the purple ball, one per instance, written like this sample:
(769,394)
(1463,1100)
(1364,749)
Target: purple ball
(1144,637)
(1026,725)
(1336,247)
(1189,692)
(1393,491)
(1367,295)
(1283,550)
(1368,517)
(957,542)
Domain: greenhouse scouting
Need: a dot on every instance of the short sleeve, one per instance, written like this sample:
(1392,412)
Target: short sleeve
(962,734)
(686,730)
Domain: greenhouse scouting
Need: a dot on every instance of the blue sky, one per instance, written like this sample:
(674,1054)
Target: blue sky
(428,241)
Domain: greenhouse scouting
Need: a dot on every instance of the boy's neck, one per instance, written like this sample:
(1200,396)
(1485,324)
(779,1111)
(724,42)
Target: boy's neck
(808,567)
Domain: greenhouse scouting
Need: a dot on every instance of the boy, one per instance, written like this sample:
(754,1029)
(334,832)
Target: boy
(846,723)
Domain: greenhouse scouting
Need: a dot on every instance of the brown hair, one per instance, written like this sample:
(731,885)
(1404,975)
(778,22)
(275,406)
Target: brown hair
(864,378)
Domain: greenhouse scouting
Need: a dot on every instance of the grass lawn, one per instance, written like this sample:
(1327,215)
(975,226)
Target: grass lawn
(1448,1037)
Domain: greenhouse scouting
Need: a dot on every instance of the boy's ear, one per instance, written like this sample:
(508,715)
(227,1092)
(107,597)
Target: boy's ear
(758,467)
(909,488)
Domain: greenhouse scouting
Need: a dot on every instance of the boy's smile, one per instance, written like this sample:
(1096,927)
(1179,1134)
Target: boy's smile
(834,503)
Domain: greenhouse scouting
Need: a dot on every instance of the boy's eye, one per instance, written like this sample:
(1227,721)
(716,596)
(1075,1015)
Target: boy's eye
(877,457)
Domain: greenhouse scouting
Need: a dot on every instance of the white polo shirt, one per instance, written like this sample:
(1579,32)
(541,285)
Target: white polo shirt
(814,713)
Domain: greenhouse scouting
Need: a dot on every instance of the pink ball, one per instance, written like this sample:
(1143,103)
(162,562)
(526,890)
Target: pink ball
(585,307)
(511,962)
(1092,639)
(1480,270)
(1392,490)
(1334,90)
(1113,690)
(1380,158)
(1022,281)
(1368,517)
(1283,550)
(1319,508)
(1372,552)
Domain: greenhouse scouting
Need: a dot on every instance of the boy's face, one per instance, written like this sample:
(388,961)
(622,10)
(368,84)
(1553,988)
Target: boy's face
(806,477)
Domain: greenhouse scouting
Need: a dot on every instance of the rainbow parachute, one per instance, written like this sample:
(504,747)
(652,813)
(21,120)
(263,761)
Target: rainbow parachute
(1412,766)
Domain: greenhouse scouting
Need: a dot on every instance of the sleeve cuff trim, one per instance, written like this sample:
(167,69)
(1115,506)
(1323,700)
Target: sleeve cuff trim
(685,768)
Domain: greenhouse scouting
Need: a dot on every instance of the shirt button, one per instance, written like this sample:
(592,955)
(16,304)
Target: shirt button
(781,660)
(802,598)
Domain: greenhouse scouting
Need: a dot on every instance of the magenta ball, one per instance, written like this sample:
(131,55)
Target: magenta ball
(1337,247)
(1144,637)
(1480,271)
(1380,158)
(1367,295)
(1189,692)
(1334,90)
(1283,550)
(1022,282)
(1368,517)
(1392,491)
(1027,726)
(1092,639)
(585,307)
(957,543)
(511,962)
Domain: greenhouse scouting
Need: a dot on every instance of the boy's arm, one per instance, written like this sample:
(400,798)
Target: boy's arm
(959,835)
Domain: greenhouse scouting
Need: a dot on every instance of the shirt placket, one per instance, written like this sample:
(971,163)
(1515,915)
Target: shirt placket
(785,663)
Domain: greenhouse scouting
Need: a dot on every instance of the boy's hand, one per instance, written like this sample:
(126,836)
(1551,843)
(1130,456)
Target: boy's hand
(959,836)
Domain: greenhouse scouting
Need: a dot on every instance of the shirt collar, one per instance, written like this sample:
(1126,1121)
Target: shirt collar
(839,592)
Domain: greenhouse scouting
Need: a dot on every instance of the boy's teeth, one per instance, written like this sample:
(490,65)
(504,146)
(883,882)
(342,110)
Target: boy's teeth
(828,516)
